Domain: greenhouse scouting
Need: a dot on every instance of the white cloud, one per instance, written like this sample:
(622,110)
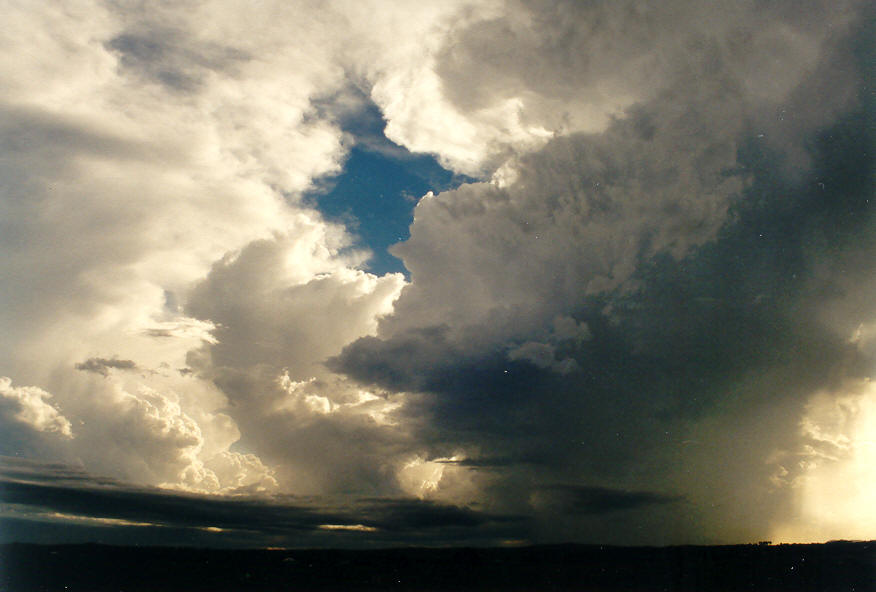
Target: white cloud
(290,302)
(241,473)
(281,308)
(157,441)
(146,144)
(30,406)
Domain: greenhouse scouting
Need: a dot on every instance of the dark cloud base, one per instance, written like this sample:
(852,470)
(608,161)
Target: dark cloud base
(572,499)
(54,501)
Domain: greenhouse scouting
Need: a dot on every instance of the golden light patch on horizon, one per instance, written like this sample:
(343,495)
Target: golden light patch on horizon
(835,490)
(348,527)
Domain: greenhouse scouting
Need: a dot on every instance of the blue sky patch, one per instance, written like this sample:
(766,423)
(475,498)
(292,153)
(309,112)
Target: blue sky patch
(381,183)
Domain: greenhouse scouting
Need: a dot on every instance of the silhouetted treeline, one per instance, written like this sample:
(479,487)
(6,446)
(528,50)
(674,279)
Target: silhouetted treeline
(839,566)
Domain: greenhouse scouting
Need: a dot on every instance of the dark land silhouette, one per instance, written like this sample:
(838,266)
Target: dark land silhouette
(836,566)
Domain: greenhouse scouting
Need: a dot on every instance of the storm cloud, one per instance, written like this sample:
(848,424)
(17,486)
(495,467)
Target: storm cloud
(637,310)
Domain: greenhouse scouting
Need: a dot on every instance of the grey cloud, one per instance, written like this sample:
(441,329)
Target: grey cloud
(64,490)
(31,470)
(103,366)
(159,333)
(487,462)
(578,499)
(578,218)
(30,134)
(398,363)
(543,355)
(701,256)
(540,354)
(575,65)
(171,58)
(741,284)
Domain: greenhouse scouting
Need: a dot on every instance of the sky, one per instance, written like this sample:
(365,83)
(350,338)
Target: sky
(495,272)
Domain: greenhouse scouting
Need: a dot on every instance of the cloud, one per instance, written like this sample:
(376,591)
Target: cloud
(542,355)
(165,56)
(29,405)
(596,500)
(64,494)
(665,250)
(556,68)
(280,308)
(158,148)
(705,356)
(181,327)
(678,230)
(282,302)
(835,448)
(103,366)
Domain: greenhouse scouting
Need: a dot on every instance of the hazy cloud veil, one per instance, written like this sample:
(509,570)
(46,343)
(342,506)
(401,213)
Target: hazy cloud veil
(647,319)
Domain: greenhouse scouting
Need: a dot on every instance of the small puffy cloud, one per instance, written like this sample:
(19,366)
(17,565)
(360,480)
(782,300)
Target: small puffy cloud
(566,334)
(103,366)
(568,329)
(540,354)
(30,406)
(181,327)
(444,480)
(241,473)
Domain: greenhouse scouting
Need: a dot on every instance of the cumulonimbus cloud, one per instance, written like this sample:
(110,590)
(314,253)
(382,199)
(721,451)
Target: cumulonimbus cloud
(641,273)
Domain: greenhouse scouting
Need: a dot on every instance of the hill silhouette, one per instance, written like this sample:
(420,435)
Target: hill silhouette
(836,566)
